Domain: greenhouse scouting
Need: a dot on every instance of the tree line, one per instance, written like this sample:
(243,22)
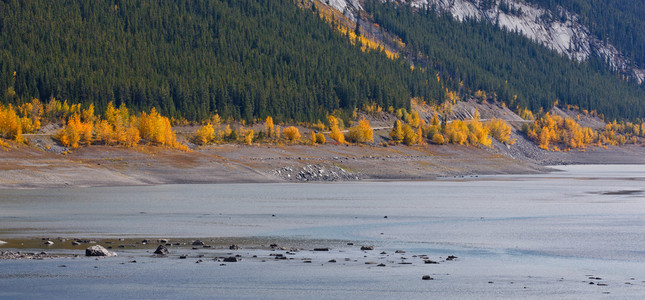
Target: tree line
(241,59)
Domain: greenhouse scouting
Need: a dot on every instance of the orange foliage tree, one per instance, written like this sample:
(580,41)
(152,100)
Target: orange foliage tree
(553,132)
(205,134)
(361,133)
(500,131)
(75,131)
(397,132)
(118,127)
(156,129)
(269,127)
(10,124)
(335,133)
(291,133)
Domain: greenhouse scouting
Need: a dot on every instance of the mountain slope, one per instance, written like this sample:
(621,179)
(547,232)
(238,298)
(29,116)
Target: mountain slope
(556,24)
(243,59)
(247,59)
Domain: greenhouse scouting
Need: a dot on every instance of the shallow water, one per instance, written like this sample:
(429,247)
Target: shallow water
(548,233)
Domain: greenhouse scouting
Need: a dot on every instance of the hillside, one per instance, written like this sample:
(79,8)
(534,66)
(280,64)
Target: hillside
(249,59)
(241,59)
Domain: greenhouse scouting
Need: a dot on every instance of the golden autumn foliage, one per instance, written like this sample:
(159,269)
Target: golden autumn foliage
(75,132)
(366,43)
(554,133)
(457,132)
(413,119)
(312,138)
(526,114)
(205,134)
(156,129)
(118,127)
(397,132)
(320,138)
(30,115)
(621,133)
(361,133)
(291,133)
(249,135)
(278,132)
(478,133)
(10,124)
(409,135)
(438,139)
(419,133)
(500,131)
(317,138)
(335,133)
(471,133)
(269,127)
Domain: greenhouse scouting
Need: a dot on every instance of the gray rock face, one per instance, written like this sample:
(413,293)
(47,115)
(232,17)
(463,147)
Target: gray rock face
(97,250)
(162,250)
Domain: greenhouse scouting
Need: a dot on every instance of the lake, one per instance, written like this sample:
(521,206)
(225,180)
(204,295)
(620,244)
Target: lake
(575,233)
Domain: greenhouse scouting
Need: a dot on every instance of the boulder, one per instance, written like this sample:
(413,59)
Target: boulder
(234,247)
(367,248)
(232,259)
(97,250)
(198,243)
(162,250)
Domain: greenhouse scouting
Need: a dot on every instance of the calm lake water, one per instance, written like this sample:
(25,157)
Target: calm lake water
(515,236)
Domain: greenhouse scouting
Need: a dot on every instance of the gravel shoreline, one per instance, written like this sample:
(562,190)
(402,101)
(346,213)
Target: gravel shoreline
(28,167)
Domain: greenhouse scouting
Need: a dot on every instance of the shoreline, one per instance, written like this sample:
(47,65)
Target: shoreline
(26,167)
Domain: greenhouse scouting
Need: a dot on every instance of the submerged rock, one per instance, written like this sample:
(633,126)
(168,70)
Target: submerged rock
(97,250)
(232,259)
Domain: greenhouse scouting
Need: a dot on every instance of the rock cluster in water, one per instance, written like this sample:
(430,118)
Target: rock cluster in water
(315,173)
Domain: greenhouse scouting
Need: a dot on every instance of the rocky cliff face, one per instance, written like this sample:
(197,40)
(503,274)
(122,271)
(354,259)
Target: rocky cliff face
(558,30)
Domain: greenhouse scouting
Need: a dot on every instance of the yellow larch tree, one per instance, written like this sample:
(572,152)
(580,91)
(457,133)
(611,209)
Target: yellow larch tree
(335,133)
(156,129)
(500,131)
(10,124)
(205,134)
(409,135)
(361,133)
(291,133)
(269,127)
(397,132)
